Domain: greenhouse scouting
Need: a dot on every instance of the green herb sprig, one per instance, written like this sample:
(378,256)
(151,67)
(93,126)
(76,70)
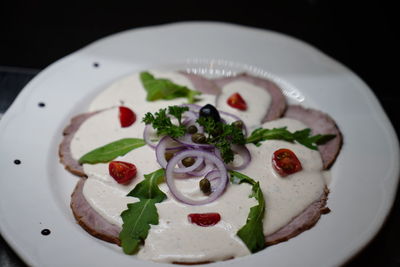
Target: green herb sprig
(112,150)
(161,121)
(222,136)
(252,233)
(158,88)
(303,137)
(138,216)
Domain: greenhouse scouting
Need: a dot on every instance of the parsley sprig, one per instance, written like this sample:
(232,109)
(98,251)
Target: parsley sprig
(161,121)
(222,136)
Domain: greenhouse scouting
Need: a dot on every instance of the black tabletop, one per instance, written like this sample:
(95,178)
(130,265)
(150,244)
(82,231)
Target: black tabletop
(362,36)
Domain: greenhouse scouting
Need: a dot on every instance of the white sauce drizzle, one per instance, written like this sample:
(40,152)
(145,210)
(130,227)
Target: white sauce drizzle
(257,98)
(174,238)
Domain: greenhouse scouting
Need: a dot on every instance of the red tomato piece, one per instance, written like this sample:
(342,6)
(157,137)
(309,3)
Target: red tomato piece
(126,116)
(122,172)
(285,162)
(204,219)
(237,101)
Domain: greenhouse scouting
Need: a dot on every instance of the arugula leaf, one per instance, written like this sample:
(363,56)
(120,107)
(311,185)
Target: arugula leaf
(165,89)
(112,150)
(163,124)
(303,137)
(222,136)
(239,178)
(138,217)
(148,189)
(252,233)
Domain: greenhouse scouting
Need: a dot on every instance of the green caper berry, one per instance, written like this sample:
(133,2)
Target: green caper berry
(192,129)
(238,124)
(205,186)
(199,138)
(168,155)
(189,161)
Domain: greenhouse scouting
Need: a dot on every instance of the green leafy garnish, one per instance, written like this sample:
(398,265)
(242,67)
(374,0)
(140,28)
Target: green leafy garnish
(158,88)
(222,136)
(138,217)
(303,137)
(112,150)
(252,233)
(163,124)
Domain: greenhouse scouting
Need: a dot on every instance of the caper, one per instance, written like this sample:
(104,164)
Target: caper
(187,162)
(199,138)
(168,155)
(238,124)
(192,129)
(205,186)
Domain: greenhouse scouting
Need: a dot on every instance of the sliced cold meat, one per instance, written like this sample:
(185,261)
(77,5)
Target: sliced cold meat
(90,220)
(64,151)
(202,84)
(304,221)
(265,98)
(320,123)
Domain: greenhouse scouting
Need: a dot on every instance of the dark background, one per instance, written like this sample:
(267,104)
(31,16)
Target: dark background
(361,35)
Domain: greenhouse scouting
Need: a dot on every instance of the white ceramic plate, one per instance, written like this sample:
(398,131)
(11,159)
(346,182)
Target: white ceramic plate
(35,194)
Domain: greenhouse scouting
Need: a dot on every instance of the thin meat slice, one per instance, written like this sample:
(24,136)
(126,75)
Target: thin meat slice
(64,151)
(278,100)
(97,226)
(90,220)
(202,84)
(304,221)
(320,123)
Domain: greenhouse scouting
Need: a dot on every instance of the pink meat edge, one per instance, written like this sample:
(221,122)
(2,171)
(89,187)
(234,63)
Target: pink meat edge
(202,84)
(64,151)
(304,221)
(90,220)
(320,123)
(278,100)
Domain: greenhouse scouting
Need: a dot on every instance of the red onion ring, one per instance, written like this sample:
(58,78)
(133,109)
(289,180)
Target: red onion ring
(170,180)
(203,171)
(244,153)
(162,147)
(194,166)
(186,140)
(146,135)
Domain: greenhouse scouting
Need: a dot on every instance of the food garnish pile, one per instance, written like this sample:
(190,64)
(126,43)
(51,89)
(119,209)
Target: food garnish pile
(205,149)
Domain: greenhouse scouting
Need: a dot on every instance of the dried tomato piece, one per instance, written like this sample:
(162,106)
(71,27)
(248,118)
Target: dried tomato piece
(237,101)
(204,219)
(285,162)
(122,172)
(126,116)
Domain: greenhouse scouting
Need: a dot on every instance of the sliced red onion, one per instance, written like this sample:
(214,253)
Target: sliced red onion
(166,143)
(170,179)
(214,178)
(194,166)
(244,153)
(192,107)
(186,140)
(209,166)
(190,117)
(147,133)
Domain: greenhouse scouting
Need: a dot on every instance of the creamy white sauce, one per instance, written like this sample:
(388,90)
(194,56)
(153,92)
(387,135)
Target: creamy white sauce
(258,101)
(174,238)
